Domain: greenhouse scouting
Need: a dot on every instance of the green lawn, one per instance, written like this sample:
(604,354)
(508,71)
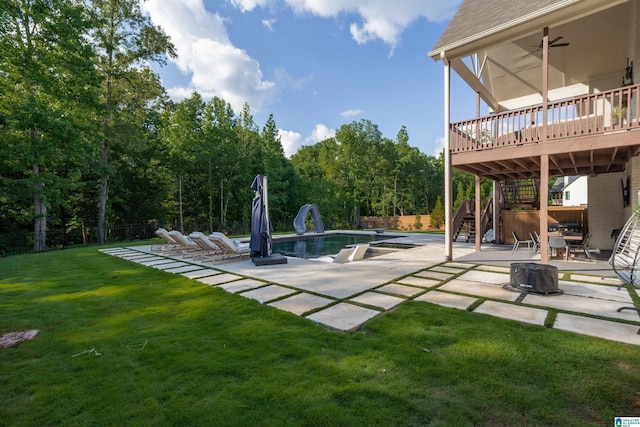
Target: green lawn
(177,352)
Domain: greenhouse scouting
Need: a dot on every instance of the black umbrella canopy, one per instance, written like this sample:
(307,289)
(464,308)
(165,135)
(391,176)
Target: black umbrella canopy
(260,242)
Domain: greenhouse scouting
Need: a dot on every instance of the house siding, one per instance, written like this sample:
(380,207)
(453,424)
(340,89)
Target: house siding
(578,191)
(606,211)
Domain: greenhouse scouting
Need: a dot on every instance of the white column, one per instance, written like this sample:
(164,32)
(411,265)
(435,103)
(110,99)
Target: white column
(448,196)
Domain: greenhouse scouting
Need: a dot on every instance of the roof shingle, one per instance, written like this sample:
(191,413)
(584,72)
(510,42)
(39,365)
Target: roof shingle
(478,16)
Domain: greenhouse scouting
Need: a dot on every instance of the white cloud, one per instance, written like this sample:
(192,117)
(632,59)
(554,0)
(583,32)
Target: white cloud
(292,141)
(381,19)
(351,113)
(285,80)
(439,146)
(320,133)
(216,66)
(268,23)
(248,5)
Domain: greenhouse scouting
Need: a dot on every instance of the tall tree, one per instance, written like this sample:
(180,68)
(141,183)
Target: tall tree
(47,83)
(220,134)
(182,134)
(126,41)
(283,180)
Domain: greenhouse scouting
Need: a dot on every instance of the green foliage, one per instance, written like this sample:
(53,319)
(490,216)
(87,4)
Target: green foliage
(437,215)
(48,87)
(417,224)
(89,138)
(125,41)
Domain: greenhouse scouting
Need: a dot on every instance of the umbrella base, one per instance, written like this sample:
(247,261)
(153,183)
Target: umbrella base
(272,259)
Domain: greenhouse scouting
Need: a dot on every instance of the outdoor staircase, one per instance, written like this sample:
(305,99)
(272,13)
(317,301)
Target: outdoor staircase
(522,193)
(465,220)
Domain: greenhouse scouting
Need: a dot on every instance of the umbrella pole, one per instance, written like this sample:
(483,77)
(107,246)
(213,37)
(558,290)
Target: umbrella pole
(266,213)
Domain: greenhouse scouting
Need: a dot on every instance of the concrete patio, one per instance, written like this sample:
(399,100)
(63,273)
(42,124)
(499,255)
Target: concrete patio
(345,296)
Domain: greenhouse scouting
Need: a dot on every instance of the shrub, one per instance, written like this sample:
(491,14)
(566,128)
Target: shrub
(437,214)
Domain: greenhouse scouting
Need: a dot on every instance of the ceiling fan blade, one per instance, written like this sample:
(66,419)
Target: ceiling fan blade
(559,45)
(555,40)
(529,54)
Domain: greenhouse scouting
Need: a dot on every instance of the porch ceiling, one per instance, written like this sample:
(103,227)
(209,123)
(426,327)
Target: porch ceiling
(582,156)
(597,51)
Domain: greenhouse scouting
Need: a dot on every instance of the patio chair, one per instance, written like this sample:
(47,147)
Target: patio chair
(625,258)
(188,247)
(170,246)
(584,246)
(558,243)
(535,243)
(518,241)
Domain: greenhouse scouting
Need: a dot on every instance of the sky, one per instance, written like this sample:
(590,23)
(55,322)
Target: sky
(314,64)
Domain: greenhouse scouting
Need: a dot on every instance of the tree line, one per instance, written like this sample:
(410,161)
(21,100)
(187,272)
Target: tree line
(90,139)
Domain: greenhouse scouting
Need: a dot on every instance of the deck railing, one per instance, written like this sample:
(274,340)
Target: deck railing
(604,112)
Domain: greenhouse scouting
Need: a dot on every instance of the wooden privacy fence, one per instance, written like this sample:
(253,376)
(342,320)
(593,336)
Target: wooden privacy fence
(524,222)
(403,222)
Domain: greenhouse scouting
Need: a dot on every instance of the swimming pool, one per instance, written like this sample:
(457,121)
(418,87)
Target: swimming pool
(317,246)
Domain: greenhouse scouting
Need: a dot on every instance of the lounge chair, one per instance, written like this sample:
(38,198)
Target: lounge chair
(341,257)
(345,255)
(188,247)
(228,245)
(170,246)
(358,252)
(208,250)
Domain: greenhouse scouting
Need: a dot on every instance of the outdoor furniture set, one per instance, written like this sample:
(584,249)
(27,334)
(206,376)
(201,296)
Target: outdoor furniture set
(214,248)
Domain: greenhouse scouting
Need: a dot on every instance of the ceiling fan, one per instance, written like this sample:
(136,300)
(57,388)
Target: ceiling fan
(552,43)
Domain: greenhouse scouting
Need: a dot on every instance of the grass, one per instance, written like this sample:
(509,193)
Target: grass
(177,352)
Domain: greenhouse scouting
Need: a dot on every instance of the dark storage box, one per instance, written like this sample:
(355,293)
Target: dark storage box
(532,277)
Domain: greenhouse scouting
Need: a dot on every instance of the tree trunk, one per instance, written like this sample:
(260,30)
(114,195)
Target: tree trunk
(180,225)
(40,213)
(104,183)
(395,194)
(222,211)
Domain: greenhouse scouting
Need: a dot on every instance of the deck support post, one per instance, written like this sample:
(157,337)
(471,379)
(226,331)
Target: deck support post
(478,215)
(544,159)
(448,206)
(544,208)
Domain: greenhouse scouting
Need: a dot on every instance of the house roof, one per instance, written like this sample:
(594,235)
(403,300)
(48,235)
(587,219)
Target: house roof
(477,17)
(559,185)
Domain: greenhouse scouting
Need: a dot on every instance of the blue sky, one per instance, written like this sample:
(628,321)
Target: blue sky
(315,64)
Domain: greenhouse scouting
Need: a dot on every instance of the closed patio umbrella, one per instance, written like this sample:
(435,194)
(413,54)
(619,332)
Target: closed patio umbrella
(260,242)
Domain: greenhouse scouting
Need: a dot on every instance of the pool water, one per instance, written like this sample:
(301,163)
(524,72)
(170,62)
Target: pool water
(314,247)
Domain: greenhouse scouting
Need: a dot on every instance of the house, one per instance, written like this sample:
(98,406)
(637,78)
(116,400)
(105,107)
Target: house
(570,191)
(557,78)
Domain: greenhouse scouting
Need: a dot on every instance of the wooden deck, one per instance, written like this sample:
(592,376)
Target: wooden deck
(583,135)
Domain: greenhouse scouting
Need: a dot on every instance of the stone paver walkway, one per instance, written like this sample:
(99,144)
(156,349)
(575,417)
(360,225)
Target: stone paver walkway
(345,296)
